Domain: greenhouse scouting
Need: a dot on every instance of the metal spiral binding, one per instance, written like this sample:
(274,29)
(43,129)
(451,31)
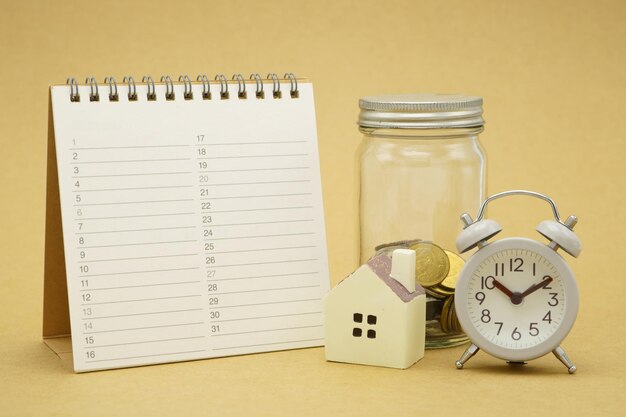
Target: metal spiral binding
(151,90)
(74,94)
(113,96)
(169,87)
(93,89)
(293,90)
(188,93)
(132,88)
(275,85)
(260,94)
(241,84)
(206,86)
(223,86)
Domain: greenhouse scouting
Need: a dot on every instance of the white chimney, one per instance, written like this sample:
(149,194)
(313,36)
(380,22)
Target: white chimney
(403,268)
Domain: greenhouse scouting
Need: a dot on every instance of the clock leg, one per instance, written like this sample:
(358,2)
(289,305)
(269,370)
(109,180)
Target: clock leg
(471,351)
(562,356)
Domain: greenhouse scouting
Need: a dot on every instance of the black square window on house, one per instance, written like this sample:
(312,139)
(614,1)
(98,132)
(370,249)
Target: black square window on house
(371,320)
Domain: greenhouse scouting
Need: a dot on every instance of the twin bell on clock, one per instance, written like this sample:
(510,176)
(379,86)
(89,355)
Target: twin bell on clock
(516,298)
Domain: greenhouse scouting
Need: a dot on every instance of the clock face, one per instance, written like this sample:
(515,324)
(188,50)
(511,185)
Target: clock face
(516,299)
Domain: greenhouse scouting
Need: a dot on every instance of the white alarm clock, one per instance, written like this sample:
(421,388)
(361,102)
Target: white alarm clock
(516,298)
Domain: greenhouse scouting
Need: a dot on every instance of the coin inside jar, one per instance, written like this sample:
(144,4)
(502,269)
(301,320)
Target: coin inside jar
(455,265)
(431,263)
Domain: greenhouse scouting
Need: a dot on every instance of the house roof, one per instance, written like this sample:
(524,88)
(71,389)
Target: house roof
(381,266)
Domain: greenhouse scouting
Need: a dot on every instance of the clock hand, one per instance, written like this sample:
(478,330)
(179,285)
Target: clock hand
(502,288)
(515,297)
(535,287)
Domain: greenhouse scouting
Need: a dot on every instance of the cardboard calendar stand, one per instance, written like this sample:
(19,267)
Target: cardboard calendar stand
(56,315)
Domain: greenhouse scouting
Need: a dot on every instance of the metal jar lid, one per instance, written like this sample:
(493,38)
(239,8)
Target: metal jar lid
(421,111)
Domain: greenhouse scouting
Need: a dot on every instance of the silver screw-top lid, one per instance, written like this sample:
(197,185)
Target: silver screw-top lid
(421,111)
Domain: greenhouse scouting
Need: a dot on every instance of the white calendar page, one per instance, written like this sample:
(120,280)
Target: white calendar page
(192,228)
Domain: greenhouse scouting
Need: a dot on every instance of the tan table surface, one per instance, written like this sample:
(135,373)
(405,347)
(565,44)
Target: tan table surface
(552,76)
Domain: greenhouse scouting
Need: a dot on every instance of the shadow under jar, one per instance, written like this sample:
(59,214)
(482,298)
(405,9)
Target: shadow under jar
(421,165)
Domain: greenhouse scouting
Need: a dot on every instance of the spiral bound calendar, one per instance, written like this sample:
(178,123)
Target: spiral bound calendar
(184,220)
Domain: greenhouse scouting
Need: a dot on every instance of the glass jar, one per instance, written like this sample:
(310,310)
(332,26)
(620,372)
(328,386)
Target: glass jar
(421,166)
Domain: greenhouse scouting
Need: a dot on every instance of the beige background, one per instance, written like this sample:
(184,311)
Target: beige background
(553,79)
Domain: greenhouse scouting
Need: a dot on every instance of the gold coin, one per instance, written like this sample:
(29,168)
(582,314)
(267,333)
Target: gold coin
(443,292)
(435,294)
(431,263)
(452,316)
(456,264)
(445,315)
(456,325)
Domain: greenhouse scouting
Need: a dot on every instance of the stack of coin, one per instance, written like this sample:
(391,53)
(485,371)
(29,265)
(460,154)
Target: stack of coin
(445,287)
(448,320)
(437,271)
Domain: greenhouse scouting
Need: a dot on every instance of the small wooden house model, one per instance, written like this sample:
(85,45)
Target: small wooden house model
(376,315)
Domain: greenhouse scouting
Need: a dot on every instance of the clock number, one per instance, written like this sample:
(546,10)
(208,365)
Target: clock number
(485,317)
(556,301)
(515,335)
(500,324)
(499,269)
(547,287)
(548,317)
(480,296)
(518,267)
(533,331)
(486,283)
(534,269)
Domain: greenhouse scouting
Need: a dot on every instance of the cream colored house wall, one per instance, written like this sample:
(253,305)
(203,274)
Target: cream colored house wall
(415,329)
(396,344)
